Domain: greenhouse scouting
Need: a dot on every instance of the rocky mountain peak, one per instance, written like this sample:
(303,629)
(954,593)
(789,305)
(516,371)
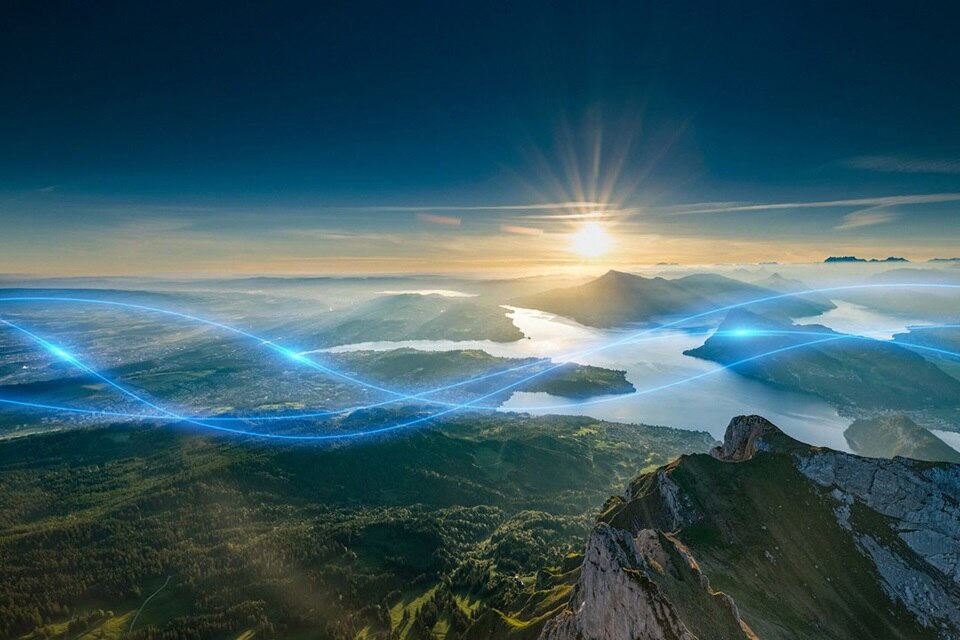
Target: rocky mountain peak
(745,435)
(824,543)
(613,276)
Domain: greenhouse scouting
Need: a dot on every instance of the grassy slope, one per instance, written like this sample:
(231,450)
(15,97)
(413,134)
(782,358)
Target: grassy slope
(771,541)
(300,540)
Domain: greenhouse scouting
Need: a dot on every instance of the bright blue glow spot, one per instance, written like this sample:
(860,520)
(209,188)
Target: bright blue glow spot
(293,355)
(452,407)
(60,353)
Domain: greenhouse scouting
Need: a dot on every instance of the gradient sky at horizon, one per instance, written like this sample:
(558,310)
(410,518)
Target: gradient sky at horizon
(228,138)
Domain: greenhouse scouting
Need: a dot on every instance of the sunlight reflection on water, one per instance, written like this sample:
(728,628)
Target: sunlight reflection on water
(704,404)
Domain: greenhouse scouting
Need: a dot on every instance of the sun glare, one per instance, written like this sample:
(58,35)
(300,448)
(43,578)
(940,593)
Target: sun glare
(591,240)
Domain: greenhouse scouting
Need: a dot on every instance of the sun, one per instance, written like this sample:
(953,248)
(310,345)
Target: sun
(591,240)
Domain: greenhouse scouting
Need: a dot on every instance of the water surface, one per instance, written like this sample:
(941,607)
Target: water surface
(672,389)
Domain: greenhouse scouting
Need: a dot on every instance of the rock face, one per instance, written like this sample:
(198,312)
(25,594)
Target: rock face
(624,592)
(923,508)
(744,437)
(805,542)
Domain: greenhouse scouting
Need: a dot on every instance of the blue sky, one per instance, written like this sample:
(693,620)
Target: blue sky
(296,137)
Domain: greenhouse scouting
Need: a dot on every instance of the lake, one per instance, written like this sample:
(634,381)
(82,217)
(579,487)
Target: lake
(672,389)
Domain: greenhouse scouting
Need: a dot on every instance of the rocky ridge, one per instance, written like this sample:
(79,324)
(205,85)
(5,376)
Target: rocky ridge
(806,543)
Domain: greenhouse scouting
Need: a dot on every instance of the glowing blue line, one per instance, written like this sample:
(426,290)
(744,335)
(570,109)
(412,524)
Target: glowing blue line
(467,404)
(289,353)
(299,357)
(733,365)
(831,338)
(735,333)
(423,396)
(60,353)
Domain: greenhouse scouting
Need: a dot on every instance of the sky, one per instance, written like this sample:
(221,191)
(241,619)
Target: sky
(229,138)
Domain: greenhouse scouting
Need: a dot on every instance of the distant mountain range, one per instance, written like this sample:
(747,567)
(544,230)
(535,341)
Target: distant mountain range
(769,538)
(856,259)
(618,299)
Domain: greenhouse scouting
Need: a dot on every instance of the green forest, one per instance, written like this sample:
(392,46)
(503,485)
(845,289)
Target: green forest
(448,531)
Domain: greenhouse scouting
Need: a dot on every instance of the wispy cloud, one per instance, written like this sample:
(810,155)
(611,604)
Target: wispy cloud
(544,206)
(732,207)
(521,231)
(435,219)
(588,215)
(903,164)
(866,218)
(49,189)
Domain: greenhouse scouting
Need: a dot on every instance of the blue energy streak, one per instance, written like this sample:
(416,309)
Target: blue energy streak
(424,395)
(451,407)
(737,333)
(64,355)
(290,354)
(167,415)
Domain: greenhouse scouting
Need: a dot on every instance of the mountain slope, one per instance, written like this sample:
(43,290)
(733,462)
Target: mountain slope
(856,375)
(770,538)
(617,299)
(894,435)
(776,282)
(411,316)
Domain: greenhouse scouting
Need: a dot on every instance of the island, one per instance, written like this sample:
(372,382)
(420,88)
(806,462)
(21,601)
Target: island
(891,435)
(420,371)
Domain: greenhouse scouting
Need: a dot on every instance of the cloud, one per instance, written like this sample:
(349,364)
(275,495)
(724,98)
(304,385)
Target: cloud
(484,207)
(903,164)
(49,189)
(435,219)
(589,215)
(731,207)
(866,218)
(521,231)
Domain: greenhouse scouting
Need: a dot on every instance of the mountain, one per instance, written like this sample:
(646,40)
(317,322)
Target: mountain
(411,316)
(945,339)
(834,259)
(618,299)
(776,282)
(769,538)
(894,435)
(853,374)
